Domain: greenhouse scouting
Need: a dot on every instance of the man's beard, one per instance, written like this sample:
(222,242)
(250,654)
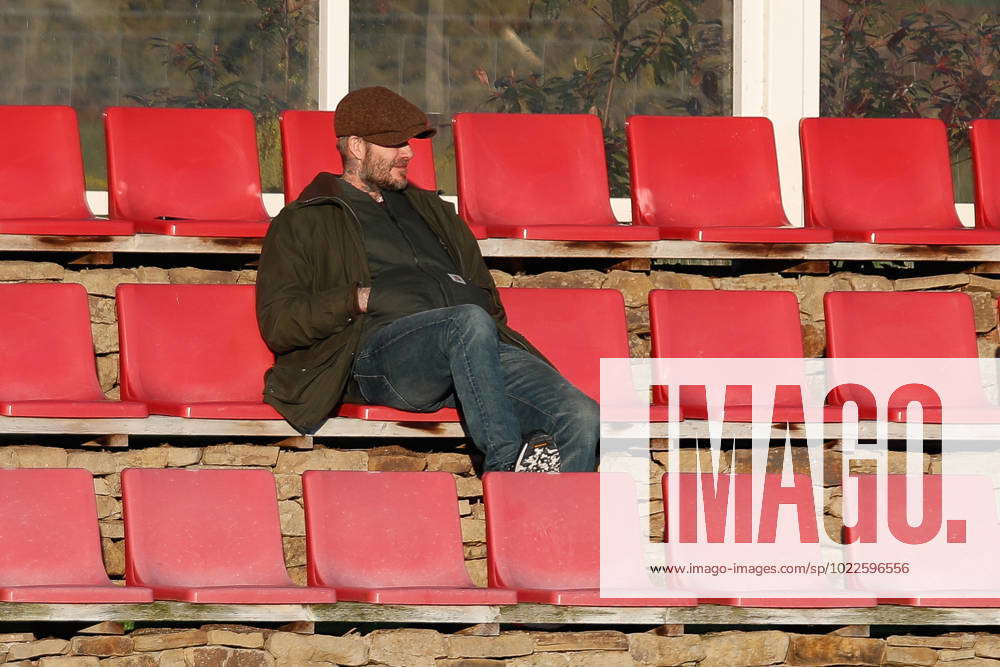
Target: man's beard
(377,173)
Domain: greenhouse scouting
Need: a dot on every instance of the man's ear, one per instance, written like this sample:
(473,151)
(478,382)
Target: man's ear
(357,147)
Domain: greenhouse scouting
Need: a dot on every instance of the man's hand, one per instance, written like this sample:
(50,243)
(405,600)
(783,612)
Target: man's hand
(363,294)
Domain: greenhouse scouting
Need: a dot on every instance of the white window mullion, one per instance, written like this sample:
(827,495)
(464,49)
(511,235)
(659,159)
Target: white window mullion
(334,52)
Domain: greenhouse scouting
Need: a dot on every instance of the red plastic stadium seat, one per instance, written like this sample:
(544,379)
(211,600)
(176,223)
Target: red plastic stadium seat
(309,146)
(573,328)
(902,325)
(193,351)
(726,324)
(537,176)
(210,536)
(51,545)
(712,544)
(882,180)
(389,538)
(954,568)
(710,179)
(42,187)
(985,138)
(47,364)
(543,532)
(185,172)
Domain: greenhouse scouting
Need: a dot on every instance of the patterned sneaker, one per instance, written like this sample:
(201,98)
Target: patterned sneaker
(539,454)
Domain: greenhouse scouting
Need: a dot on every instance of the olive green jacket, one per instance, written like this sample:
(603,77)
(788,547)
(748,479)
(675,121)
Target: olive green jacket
(312,263)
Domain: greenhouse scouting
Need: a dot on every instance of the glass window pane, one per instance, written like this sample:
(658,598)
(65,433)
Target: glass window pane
(259,55)
(913,58)
(610,57)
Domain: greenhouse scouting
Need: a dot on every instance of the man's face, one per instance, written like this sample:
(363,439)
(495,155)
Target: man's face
(385,167)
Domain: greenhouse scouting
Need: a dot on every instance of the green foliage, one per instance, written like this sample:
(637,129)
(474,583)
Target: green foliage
(654,43)
(264,68)
(879,61)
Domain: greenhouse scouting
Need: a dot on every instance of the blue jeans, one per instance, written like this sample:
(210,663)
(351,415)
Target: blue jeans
(450,356)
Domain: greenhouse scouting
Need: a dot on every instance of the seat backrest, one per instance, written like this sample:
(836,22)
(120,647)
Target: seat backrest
(309,146)
(531,169)
(900,325)
(573,328)
(704,172)
(196,164)
(190,343)
(544,530)
(41,173)
(46,349)
(877,173)
(985,138)
(48,529)
(715,324)
(383,529)
(202,528)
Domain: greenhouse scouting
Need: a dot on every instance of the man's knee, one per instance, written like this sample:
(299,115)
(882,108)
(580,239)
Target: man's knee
(472,322)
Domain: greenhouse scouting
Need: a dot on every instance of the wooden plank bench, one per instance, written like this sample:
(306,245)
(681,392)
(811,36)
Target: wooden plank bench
(357,612)
(153,243)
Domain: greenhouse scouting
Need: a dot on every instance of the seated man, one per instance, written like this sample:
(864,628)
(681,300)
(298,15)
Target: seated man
(374,291)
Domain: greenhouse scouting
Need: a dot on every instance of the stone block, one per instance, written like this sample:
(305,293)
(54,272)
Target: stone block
(673,280)
(295,555)
(114,557)
(813,340)
(595,640)
(112,529)
(744,648)
(172,658)
(33,456)
(145,457)
(832,650)
(246,277)
(102,310)
(648,649)
(459,464)
(637,320)
(36,649)
(541,660)
(152,274)
(297,462)
(473,530)
(293,518)
(469,487)
(833,501)
(984,308)
(981,284)
(633,286)
(477,571)
(758,281)
(221,656)
(99,463)
(239,455)
(20,271)
(289,486)
(909,656)
(955,642)
(181,457)
(639,347)
(987,646)
(191,276)
(163,641)
(469,662)
(69,661)
(931,282)
(299,576)
(13,637)
(474,551)
(101,645)
(949,655)
(501,278)
(584,278)
(101,486)
(101,282)
(103,628)
(394,458)
(503,646)
(108,507)
(811,290)
(406,647)
(464,507)
(238,639)
(862,283)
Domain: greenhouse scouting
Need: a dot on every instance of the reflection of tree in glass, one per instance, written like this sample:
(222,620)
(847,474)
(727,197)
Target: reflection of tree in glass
(264,68)
(659,43)
(913,59)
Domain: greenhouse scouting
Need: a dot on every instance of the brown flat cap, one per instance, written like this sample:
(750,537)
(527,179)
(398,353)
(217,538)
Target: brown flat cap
(378,115)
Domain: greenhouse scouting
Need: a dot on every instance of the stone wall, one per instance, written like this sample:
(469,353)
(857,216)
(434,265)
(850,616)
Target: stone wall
(243,646)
